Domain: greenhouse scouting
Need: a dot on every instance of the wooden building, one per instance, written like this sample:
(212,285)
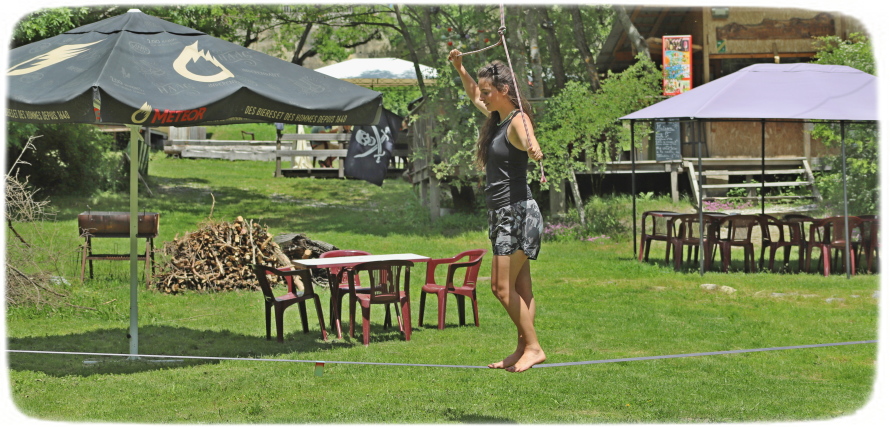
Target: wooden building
(725,40)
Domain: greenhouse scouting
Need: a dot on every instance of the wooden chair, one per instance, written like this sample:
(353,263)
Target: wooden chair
(658,228)
(389,282)
(281,303)
(827,234)
(738,231)
(467,289)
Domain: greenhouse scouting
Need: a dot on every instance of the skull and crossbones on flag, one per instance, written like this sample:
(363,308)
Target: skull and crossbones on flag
(370,148)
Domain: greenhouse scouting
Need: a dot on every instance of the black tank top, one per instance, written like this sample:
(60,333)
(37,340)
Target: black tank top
(505,171)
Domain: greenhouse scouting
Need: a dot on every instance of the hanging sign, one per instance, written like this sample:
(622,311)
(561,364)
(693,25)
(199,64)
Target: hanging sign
(676,64)
(667,140)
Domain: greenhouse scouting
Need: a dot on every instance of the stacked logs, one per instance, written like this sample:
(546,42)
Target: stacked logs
(298,246)
(217,257)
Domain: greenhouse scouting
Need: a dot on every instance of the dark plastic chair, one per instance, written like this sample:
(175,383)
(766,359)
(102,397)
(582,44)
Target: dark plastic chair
(655,225)
(281,303)
(738,231)
(388,283)
(827,234)
(467,289)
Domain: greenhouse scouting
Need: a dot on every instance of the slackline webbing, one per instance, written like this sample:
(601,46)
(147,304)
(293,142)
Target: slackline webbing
(430,365)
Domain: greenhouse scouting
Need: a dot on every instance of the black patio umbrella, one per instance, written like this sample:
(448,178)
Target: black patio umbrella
(138,70)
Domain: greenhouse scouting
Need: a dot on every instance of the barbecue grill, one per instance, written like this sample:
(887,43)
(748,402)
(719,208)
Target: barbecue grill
(116,225)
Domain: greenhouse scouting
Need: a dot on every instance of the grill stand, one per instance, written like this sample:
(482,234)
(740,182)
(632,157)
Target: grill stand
(87,256)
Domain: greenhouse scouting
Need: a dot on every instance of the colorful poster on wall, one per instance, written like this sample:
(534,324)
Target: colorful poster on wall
(677,64)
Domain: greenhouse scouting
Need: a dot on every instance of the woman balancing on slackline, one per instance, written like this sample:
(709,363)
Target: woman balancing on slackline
(514,221)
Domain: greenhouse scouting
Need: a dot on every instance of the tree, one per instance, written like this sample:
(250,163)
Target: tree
(583,125)
(583,46)
(637,42)
(861,139)
(47,23)
(66,159)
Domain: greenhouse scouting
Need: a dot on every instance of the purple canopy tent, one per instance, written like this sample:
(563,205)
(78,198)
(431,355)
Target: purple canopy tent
(834,93)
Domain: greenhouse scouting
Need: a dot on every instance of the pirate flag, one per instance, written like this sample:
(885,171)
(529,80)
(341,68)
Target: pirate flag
(370,148)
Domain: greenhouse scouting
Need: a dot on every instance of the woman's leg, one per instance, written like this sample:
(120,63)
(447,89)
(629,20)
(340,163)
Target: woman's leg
(511,284)
(533,353)
(500,287)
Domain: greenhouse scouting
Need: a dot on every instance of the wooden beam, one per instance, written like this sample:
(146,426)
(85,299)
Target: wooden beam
(658,21)
(623,38)
(761,55)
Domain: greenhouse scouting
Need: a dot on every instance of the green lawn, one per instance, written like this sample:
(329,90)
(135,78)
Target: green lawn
(594,302)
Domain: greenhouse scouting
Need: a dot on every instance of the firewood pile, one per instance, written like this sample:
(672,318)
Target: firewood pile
(217,257)
(298,246)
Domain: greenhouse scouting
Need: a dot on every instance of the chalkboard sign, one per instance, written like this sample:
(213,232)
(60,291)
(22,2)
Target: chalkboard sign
(667,140)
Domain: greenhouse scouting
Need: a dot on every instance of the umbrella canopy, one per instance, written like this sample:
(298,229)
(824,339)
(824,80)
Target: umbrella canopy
(138,69)
(376,72)
(776,91)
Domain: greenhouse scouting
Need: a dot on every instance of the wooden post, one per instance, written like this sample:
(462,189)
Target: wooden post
(434,197)
(558,198)
(675,192)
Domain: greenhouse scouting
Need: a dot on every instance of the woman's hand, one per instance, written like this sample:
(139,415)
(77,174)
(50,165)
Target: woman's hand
(456,59)
(534,151)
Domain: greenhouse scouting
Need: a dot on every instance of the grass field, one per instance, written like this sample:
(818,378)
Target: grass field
(595,302)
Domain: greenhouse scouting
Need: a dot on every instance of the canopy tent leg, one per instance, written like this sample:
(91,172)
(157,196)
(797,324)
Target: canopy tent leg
(762,166)
(846,208)
(701,216)
(633,184)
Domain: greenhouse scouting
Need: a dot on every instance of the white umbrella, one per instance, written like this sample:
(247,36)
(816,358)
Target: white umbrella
(377,72)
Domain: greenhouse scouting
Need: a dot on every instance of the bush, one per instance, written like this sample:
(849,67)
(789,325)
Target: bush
(67,158)
(603,222)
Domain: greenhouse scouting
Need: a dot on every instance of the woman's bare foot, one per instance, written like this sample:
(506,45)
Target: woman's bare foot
(529,358)
(508,361)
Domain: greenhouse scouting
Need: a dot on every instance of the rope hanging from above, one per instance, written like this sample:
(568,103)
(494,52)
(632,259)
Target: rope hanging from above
(503,42)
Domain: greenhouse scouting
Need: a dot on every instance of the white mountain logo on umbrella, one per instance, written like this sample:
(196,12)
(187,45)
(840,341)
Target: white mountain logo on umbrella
(52,57)
(192,54)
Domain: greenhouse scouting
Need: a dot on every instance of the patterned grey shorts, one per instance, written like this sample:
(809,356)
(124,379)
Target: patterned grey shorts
(515,227)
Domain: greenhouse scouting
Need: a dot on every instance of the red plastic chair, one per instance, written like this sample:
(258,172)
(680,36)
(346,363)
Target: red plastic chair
(738,231)
(337,276)
(658,228)
(465,290)
(281,303)
(686,229)
(388,283)
(779,234)
(800,227)
(827,234)
(870,241)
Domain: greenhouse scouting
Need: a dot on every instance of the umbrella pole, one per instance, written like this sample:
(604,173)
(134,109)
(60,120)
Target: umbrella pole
(762,166)
(846,208)
(633,184)
(134,226)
